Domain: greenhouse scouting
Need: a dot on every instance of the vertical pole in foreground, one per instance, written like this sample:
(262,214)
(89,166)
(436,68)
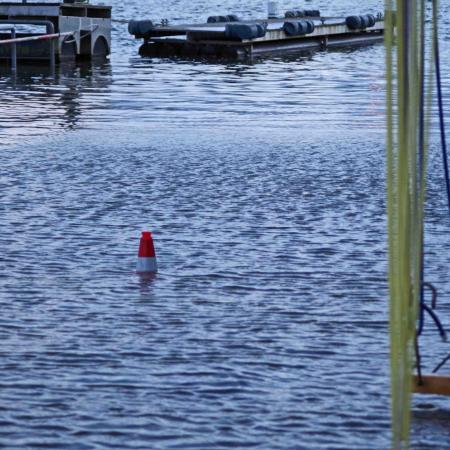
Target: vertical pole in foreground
(406,163)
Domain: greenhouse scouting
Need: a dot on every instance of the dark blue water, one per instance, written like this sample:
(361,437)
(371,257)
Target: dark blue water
(264,185)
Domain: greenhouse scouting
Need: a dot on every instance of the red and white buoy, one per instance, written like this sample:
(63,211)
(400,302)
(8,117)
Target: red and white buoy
(147,257)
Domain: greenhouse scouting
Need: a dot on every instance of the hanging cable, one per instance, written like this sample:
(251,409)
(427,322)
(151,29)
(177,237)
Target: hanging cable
(422,165)
(441,101)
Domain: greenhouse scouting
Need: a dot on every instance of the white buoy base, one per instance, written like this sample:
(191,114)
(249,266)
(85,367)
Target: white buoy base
(146,265)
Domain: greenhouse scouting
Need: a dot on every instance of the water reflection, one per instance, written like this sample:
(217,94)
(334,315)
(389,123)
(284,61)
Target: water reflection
(430,424)
(35,102)
(146,281)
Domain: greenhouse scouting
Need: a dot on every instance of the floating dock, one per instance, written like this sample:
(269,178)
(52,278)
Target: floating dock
(228,37)
(83,30)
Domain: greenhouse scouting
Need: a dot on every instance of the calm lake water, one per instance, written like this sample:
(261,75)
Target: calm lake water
(266,327)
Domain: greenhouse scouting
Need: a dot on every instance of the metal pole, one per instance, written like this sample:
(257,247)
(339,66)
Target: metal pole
(52,57)
(12,30)
(50,30)
(13,51)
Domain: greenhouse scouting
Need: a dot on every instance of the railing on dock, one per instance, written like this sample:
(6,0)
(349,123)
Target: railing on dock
(50,36)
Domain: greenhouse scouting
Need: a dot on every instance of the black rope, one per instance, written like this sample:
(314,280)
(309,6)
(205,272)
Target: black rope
(424,308)
(422,169)
(438,323)
(418,362)
(441,106)
(439,366)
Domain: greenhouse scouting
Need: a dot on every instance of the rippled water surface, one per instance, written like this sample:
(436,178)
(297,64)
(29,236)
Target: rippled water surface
(266,327)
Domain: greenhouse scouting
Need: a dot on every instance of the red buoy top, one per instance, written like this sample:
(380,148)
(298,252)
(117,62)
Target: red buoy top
(146,248)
